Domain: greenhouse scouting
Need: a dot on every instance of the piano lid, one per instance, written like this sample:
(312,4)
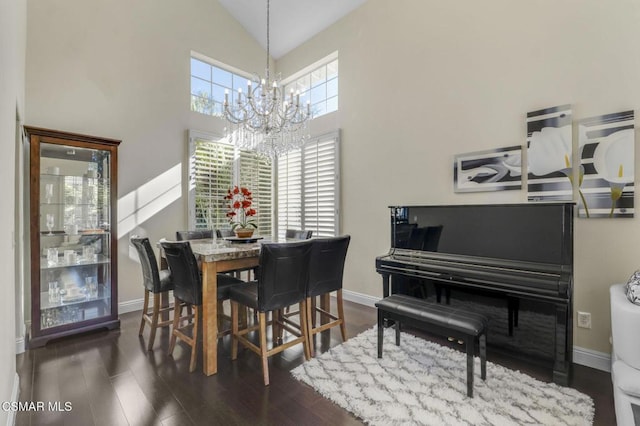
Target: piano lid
(538,233)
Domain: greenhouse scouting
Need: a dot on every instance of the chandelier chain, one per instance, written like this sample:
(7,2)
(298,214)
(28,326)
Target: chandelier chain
(268,40)
(265,119)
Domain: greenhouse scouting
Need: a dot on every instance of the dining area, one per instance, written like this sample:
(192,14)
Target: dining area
(277,285)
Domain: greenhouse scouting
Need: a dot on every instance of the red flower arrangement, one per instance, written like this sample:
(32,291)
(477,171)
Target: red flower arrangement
(240,210)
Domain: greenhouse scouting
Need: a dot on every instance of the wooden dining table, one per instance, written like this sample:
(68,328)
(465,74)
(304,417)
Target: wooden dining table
(219,256)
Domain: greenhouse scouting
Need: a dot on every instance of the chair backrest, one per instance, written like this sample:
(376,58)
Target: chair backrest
(150,273)
(194,235)
(222,233)
(433,238)
(294,234)
(417,238)
(284,274)
(187,284)
(326,266)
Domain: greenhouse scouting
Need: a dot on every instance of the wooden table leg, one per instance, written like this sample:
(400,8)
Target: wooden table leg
(210,318)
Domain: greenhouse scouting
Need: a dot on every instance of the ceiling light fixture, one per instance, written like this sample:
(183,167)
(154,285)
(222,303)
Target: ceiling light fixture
(265,119)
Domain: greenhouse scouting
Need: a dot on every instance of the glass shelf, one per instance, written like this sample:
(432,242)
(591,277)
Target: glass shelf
(81,298)
(101,260)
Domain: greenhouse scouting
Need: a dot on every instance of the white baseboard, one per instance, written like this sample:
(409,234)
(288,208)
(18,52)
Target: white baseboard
(582,356)
(591,358)
(20,339)
(137,304)
(15,394)
(131,305)
(20,345)
(359,298)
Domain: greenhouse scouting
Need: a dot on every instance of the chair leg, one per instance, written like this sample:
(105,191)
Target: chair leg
(263,347)
(309,328)
(313,312)
(154,320)
(145,308)
(177,312)
(234,330)
(277,332)
(194,341)
(343,325)
(304,328)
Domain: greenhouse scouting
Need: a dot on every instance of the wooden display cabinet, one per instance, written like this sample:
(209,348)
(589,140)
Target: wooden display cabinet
(73,200)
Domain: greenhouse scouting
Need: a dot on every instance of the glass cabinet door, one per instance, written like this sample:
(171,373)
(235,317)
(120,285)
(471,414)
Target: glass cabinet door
(75,234)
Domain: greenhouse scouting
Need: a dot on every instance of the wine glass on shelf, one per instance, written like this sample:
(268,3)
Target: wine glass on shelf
(48,192)
(50,222)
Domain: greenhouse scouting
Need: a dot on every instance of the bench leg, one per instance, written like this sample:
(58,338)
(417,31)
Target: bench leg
(380,332)
(398,328)
(470,349)
(483,356)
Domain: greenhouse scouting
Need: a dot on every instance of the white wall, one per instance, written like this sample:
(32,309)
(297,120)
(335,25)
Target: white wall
(12,50)
(423,80)
(120,69)
(420,81)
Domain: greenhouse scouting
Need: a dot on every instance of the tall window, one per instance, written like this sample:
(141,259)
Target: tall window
(308,188)
(208,83)
(215,167)
(318,83)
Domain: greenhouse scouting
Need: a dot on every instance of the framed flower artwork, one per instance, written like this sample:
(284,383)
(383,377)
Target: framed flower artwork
(550,154)
(492,170)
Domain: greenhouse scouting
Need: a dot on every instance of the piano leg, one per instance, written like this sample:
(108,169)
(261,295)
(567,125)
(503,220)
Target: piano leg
(385,285)
(513,306)
(447,294)
(564,346)
(385,293)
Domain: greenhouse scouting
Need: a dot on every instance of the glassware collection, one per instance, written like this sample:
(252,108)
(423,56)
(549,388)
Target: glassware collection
(75,262)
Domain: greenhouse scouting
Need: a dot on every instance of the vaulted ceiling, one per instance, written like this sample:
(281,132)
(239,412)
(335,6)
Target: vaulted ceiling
(292,22)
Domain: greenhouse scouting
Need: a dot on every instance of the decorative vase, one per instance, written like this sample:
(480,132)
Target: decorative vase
(243,232)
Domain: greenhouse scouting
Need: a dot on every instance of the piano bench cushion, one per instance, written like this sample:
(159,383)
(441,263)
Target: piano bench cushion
(457,320)
(441,319)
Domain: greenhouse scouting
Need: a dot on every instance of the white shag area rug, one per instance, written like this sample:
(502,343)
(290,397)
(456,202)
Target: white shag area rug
(423,383)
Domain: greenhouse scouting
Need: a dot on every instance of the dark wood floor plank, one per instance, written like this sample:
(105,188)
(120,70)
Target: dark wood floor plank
(135,404)
(111,379)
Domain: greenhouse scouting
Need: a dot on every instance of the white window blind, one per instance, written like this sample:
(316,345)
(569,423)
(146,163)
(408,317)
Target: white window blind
(215,167)
(256,174)
(308,188)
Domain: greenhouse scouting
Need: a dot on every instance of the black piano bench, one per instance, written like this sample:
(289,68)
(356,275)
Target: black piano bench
(440,319)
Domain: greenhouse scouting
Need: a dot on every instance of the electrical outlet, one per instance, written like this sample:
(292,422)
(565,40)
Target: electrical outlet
(584,319)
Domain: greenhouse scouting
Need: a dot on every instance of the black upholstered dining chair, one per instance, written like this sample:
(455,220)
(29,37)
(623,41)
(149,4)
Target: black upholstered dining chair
(223,233)
(326,270)
(194,235)
(155,282)
(187,289)
(294,234)
(284,275)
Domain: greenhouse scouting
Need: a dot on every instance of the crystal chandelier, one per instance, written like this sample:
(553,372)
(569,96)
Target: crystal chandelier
(266,120)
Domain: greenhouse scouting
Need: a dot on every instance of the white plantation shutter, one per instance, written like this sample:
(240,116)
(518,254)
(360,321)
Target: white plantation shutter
(256,175)
(211,175)
(320,182)
(215,167)
(289,192)
(308,188)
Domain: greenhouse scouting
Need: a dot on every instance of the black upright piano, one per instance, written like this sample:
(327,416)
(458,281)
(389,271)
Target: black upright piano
(512,262)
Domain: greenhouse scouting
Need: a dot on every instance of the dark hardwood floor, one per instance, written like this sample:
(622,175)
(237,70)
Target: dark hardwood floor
(110,379)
